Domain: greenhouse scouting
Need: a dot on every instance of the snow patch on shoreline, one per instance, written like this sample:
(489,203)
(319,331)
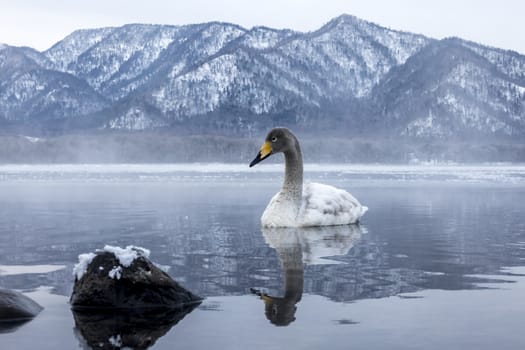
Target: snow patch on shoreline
(11,270)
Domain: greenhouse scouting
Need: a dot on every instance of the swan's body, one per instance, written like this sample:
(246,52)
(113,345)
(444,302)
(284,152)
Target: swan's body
(321,205)
(310,205)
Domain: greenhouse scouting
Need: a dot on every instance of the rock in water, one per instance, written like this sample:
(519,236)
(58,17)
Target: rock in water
(125,278)
(15,306)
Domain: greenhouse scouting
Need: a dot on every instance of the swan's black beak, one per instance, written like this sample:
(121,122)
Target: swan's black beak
(265,152)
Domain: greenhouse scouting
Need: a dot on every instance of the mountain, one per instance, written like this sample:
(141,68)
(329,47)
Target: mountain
(451,88)
(348,78)
(33,94)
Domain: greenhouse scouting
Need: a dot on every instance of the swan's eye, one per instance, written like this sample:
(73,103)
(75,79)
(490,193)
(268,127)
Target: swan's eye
(274,139)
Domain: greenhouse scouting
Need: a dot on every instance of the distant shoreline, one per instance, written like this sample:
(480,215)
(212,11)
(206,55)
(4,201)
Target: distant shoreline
(168,148)
(239,173)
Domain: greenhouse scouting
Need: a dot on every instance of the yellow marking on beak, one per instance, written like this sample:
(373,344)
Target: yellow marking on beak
(266,149)
(267,299)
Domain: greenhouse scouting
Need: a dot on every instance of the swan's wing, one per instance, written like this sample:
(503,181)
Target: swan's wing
(325,205)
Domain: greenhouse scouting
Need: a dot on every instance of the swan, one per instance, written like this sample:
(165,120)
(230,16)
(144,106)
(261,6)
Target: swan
(296,205)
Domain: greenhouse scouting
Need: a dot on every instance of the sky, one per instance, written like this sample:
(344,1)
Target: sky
(41,23)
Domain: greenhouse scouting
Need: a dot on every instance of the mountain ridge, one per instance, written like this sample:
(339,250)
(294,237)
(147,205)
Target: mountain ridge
(349,77)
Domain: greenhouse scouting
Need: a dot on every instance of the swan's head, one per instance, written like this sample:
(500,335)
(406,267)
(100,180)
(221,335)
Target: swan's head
(277,140)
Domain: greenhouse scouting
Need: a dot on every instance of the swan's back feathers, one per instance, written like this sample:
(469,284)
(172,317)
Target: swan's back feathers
(325,205)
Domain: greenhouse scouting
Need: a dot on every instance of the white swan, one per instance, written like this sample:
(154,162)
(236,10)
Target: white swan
(300,206)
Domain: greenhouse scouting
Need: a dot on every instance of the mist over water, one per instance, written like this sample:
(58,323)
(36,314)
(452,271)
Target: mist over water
(439,255)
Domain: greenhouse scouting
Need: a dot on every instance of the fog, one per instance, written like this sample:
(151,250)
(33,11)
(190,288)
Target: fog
(150,147)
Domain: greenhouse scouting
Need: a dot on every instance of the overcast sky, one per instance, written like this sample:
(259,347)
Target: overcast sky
(41,23)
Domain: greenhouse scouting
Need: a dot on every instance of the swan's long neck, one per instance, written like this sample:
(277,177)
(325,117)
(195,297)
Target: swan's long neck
(293,176)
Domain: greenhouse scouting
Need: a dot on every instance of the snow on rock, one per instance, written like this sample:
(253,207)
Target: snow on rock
(116,341)
(127,255)
(115,272)
(83,262)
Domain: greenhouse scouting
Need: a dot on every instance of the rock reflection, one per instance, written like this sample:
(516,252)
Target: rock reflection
(297,247)
(12,326)
(117,329)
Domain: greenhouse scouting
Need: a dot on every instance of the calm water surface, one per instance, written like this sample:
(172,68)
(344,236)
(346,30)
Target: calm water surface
(437,262)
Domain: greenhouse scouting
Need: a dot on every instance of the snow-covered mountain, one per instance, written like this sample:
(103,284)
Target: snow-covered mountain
(31,93)
(453,88)
(349,77)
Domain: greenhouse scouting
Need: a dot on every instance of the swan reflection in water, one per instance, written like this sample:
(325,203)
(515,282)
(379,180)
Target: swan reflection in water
(297,247)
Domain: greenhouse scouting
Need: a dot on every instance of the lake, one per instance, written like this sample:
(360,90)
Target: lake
(437,262)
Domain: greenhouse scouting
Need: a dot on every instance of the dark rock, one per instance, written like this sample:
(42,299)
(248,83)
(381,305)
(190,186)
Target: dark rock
(108,283)
(130,329)
(15,309)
